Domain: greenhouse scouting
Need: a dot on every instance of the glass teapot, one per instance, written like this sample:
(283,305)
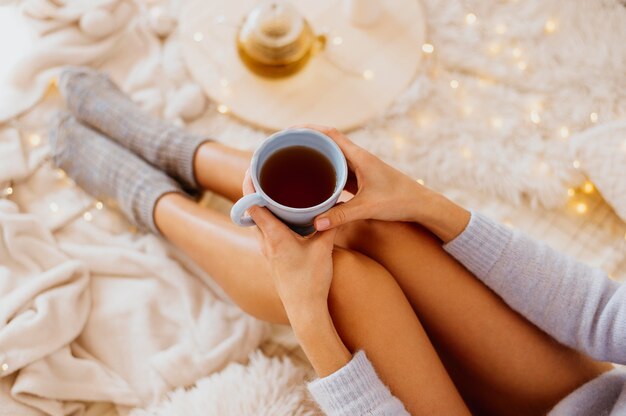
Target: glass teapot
(276,41)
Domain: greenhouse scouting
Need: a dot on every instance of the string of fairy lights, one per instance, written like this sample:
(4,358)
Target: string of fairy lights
(576,196)
(578,203)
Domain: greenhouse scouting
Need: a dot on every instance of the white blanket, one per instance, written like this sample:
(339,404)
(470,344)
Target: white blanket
(89,315)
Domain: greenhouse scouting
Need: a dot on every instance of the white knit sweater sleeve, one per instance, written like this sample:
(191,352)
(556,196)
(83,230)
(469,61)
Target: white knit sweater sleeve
(576,304)
(355,390)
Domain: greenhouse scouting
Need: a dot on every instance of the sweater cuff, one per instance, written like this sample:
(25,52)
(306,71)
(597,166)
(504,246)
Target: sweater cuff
(354,389)
(480,245)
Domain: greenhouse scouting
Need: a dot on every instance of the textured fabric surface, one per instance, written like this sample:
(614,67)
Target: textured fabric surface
(108,171)
(355,389)
(90,316)
(95,100)
(273,387)
(602,151)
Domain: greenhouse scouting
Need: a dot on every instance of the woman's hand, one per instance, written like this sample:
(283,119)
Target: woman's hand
(380,191)
(384,193)
(302,270)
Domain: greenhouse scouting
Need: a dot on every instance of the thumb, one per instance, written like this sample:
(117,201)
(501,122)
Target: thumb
(340,214)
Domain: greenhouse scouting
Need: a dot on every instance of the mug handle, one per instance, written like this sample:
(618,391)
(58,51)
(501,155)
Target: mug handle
(239,209)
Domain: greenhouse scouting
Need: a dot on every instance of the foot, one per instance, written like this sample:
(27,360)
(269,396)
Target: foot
(95,100)
(107,170)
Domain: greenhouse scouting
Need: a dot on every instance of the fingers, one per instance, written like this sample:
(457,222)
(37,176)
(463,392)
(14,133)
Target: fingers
(340,214)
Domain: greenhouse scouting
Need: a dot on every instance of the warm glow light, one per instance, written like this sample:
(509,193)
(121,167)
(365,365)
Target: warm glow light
(4,367)
(454,84)
(99,205)
(534,117)
(522,65)
(588,187)
(496,122)
(34,139)
(571,192)
(337,40)
(494,48)
(593,117)
(368,74)
(470,18)
(399,142)
(550,26)
(54,207)
(422,119)
(8,191)
(501,28)
(223,108)
(420,181)
(542,168)
(428,48)
(576,164)
(564,132)
(87,216)
(198,36)
(581,208)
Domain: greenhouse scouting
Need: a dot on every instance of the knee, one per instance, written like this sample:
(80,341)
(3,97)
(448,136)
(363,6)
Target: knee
(357,280)
(352,269)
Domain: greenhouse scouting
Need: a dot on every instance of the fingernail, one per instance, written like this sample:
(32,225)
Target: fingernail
(322,224)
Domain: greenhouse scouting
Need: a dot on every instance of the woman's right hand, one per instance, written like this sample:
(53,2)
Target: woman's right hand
(382,192)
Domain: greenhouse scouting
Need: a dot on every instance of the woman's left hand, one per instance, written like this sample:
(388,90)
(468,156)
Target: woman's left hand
(302,268)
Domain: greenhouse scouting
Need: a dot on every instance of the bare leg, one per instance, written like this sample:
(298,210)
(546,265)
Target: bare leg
(368,307)
(221,168)
(500,362)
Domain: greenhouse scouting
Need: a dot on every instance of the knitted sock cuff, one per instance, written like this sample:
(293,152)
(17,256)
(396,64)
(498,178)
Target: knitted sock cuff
(144,212)
(184,155)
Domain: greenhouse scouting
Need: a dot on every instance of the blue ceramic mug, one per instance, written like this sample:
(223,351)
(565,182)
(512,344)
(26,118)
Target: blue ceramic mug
(298,219)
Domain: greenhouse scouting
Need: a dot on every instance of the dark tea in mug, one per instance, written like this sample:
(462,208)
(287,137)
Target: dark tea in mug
(298,177)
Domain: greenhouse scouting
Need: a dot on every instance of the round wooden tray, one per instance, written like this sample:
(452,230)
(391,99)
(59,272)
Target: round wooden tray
(356,77)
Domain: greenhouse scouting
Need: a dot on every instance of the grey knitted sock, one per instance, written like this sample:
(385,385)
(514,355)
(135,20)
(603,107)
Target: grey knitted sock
(107,170)
(95,100)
